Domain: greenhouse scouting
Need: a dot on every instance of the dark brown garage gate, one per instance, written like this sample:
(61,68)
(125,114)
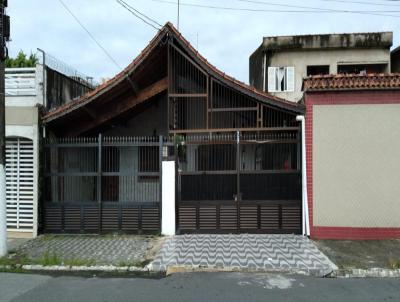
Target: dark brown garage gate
(100,185)
(240,183)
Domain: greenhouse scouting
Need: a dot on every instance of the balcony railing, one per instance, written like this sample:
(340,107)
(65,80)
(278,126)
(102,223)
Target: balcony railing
(20,81)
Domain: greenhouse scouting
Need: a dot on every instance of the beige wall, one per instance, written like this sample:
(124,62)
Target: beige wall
(356,165)
(301,59)
(22,116)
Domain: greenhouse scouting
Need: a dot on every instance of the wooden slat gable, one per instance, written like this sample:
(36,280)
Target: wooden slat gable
(82,110)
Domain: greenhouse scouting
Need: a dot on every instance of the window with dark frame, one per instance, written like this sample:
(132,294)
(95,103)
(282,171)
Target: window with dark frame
(317,70)
(361,68)
(110,162)
(149,162)
(279,157)
(216,158)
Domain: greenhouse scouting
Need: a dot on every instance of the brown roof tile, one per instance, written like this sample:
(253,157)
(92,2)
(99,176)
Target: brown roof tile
(352,82)
(168,27)
(91,95)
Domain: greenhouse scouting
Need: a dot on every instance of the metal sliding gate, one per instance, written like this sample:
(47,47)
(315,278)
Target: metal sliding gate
(248,183)
(21,180)
(97,185)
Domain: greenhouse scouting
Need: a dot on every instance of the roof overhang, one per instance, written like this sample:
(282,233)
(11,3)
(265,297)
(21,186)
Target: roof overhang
(124,80)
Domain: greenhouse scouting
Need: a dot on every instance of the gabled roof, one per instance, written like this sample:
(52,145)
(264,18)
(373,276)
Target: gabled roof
(167,31)
(352,82)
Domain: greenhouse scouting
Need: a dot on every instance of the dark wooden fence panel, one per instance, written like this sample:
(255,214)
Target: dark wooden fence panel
(247,183)
(100,185)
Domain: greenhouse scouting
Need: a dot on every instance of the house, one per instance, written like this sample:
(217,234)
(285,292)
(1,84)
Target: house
(353,147)
(279,65)
(28,90)
(237,151)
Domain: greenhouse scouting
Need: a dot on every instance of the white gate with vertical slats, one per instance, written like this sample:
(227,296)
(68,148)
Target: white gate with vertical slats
(20,184)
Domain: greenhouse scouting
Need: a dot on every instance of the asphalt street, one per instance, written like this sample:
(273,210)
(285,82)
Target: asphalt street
(196,287)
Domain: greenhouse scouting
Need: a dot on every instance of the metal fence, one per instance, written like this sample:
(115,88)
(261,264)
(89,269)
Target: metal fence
(102,184)
(240,183)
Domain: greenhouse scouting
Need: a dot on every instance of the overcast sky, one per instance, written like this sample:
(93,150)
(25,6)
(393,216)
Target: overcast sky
(225,37)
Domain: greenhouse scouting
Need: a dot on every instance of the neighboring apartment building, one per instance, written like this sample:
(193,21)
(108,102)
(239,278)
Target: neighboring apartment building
(23,93)
(27,91)
(279,65)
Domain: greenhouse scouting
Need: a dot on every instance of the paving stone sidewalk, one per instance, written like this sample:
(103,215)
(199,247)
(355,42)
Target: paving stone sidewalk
(100,250)
(245,252)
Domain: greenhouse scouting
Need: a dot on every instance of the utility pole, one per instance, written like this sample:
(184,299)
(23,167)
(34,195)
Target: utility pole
(4,36)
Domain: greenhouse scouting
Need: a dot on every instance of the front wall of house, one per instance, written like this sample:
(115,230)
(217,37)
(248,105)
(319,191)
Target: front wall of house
(356,167)
(152,121)
(301,59)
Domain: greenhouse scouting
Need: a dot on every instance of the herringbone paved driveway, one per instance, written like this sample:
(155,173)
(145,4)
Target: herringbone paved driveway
(247,252)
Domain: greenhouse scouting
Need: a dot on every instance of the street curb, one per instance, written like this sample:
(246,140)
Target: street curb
(148,270)
(174,269)
(366,273)
(100,269)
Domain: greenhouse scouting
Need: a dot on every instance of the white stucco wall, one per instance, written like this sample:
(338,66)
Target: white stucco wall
(356,165)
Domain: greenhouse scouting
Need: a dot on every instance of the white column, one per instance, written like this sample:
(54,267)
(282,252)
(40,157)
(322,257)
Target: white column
(3,209)
(306,218)
(168,198)
(35,180)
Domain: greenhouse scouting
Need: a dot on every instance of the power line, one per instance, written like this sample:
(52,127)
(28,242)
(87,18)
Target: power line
(100,46)
(90,34)
(363,2)
(315,10)
(139,15)
(288,5)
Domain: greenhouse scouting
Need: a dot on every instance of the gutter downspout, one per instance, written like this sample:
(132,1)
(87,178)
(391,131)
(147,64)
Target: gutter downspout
(306,217)
(265,71)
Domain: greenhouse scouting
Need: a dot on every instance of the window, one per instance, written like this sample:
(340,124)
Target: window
(278,157)
(216,158)
(110,162)
(280,79)
(317,70)
(362,68)
(149,162)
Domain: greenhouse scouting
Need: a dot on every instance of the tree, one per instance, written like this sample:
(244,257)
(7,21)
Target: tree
(22,60)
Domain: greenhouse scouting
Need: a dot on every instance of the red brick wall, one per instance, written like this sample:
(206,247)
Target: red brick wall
(342,98)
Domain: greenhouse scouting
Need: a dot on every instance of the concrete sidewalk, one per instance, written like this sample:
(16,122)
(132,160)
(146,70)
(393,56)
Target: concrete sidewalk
(87,250)
(244,252)
(14,244)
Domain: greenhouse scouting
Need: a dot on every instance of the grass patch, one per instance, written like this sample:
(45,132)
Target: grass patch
(49,259)
(79,262)
(14,260)
(394,263)
(12,263)
(51,237)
